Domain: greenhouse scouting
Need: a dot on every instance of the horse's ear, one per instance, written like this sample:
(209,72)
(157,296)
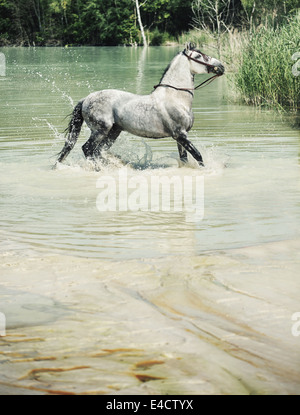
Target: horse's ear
(189,46)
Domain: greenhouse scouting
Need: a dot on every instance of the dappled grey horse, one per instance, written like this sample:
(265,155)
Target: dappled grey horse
(166,112)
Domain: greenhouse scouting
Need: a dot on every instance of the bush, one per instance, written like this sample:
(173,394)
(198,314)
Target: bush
(158,38)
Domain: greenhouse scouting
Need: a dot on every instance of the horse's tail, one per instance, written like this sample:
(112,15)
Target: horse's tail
(73,131)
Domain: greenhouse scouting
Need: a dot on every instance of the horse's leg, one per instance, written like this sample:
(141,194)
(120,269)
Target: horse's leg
(188,146)
(100,141)
(108,141)
(89,147)
(182,153)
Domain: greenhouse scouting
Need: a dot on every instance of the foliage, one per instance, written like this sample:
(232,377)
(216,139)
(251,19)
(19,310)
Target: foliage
(171,16)
(107,22)
(94,22)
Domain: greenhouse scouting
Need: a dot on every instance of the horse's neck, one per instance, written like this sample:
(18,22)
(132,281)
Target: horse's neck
(179,74)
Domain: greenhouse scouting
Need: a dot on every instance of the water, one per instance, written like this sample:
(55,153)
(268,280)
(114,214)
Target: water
(144,301)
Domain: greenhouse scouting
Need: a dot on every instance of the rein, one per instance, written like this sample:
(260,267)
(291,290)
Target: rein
(189,90)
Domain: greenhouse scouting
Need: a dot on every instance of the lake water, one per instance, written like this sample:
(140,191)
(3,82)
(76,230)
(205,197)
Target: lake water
(195,300)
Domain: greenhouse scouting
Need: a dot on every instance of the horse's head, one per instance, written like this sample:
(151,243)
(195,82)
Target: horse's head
(201,63)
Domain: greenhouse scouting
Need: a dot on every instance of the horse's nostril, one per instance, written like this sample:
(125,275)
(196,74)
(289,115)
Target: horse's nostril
(219,70)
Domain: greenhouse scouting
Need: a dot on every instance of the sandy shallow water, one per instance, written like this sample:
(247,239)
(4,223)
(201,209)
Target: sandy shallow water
(217,323)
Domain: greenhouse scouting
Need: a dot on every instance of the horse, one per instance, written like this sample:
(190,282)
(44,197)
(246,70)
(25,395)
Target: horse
(165,112)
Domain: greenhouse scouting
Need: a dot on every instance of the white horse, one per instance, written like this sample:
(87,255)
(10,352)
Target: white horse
(166,112)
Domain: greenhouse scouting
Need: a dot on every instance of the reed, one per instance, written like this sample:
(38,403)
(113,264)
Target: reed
(198,37)
(258,62)
(263,73)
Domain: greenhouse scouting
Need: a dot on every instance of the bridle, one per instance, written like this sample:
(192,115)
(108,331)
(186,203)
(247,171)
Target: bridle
(189,90)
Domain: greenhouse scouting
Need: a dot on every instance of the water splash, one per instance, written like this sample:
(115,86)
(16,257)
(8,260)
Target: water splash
(138,155)
(55,131)
(54,87)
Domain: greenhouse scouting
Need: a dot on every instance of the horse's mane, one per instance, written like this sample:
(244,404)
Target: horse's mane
(168,67)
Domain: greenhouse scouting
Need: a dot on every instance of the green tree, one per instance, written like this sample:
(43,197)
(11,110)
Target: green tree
(172,16)
(107,22)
